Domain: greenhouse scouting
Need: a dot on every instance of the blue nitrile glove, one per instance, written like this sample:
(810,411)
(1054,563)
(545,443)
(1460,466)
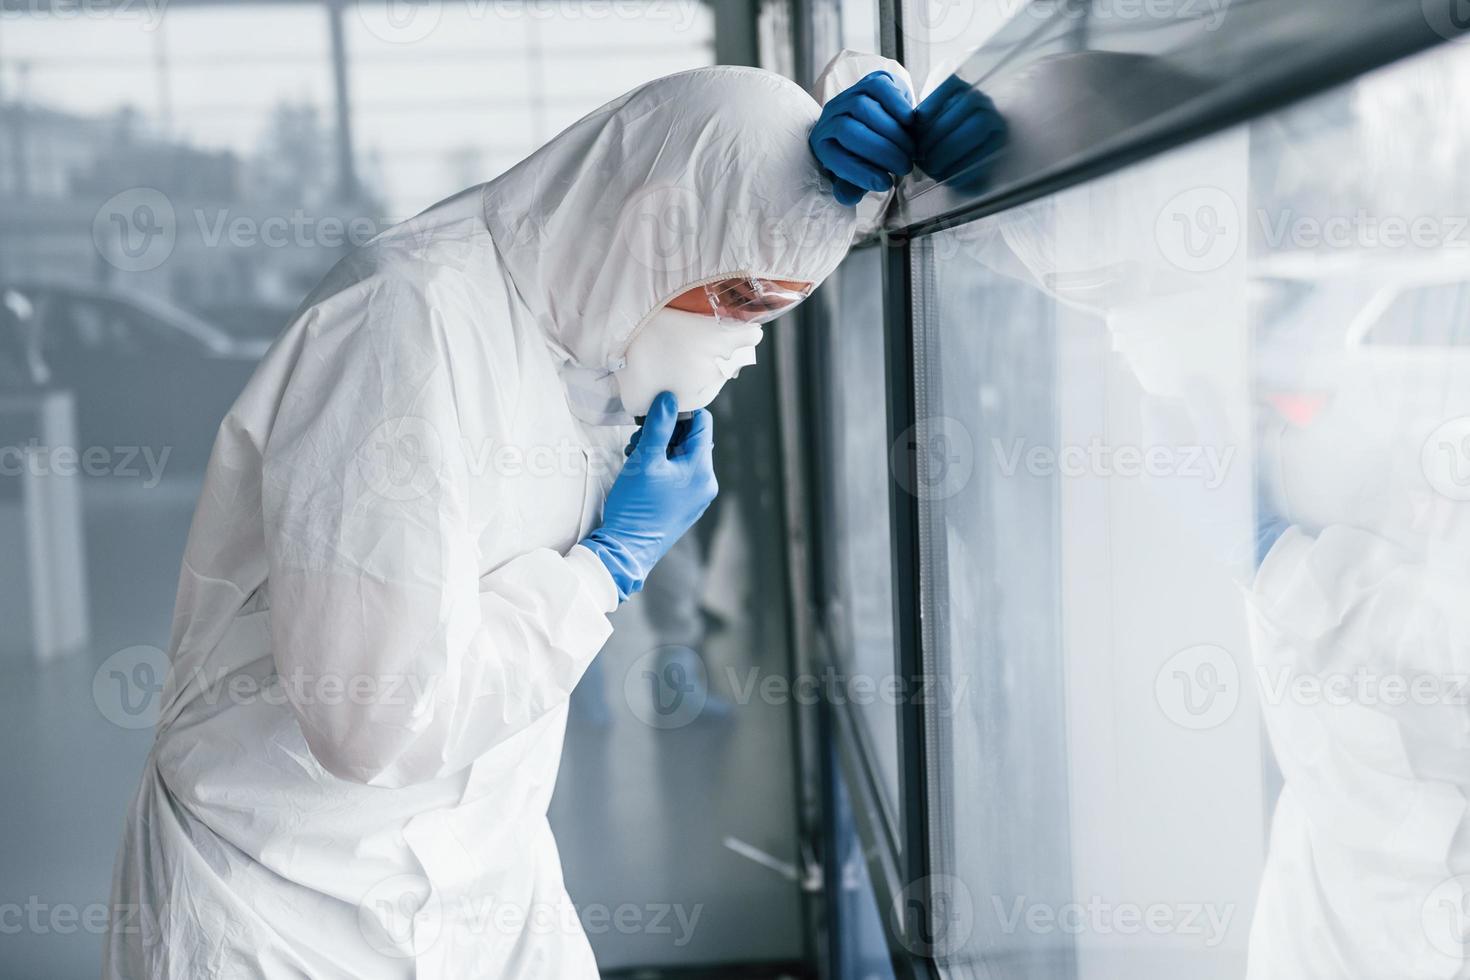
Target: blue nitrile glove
(862,139)
(957,130)
(667,482)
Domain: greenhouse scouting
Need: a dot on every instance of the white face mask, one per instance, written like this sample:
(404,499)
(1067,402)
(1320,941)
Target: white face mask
(685,353)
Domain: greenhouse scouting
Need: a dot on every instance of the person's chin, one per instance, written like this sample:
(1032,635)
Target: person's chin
(705,396)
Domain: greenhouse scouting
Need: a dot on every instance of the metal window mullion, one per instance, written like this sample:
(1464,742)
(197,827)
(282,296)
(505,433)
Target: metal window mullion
(905,556)
(890,29)
(883,862)
(799,401)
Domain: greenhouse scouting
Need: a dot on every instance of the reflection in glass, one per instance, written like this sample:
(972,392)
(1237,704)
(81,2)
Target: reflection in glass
(958,132)
(1204,562)
(1079,80)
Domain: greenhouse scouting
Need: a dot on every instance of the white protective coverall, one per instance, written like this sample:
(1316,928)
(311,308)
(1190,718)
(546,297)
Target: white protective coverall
(383,606)
(1366,592)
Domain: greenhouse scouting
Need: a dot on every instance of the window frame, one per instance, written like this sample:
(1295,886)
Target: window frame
(899,858)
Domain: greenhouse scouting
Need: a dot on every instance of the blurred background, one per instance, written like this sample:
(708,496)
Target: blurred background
(174,178)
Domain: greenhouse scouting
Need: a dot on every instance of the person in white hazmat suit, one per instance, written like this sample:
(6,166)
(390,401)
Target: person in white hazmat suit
(404,555)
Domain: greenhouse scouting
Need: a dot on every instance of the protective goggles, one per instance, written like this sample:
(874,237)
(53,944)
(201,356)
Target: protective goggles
(752,300)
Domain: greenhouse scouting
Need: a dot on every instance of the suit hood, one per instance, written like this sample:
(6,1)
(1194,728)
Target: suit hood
(699,176)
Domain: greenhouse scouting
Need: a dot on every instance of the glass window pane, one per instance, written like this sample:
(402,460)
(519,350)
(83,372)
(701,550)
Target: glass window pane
(860,25)
(842,24)
(484,86)
(1080,79)
(858,616)
(1194,524)
(938,34)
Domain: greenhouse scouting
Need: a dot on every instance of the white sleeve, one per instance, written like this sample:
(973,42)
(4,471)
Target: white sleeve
(850,67)
(842,72)
(1347,598)
(404,660)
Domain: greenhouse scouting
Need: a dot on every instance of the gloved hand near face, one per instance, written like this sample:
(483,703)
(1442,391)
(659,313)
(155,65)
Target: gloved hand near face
(666,484)
(862,139)
(678,361)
